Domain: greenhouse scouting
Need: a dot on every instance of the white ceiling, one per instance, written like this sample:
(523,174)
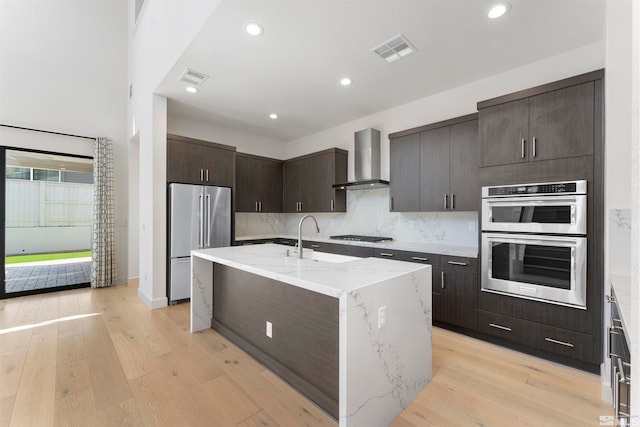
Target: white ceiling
(294,68)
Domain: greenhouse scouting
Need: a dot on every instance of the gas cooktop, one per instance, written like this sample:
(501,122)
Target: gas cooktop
(356,238)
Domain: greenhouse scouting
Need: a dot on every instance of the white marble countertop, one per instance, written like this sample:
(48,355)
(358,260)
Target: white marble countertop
(622,287)
(329,278)
(463,251)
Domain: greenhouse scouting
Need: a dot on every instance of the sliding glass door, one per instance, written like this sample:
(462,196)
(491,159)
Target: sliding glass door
(47,211)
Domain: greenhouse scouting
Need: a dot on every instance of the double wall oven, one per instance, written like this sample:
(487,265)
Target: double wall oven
(534,242)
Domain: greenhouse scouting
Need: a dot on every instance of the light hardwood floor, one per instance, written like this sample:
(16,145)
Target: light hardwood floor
(100,357)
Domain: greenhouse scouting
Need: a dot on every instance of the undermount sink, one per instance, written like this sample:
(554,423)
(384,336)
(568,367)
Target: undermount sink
(322,256)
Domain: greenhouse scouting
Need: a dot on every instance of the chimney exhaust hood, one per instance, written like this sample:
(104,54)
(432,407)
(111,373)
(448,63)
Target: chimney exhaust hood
(366,162)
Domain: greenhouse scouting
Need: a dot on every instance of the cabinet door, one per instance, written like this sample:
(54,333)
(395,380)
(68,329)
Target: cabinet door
(463,161)
(219,165)
(247,176)
(434,170)
(291,187)
(562,123)
(271,185)
(315,191)
(184,162)
(404,171)
(459,293)
(502,129)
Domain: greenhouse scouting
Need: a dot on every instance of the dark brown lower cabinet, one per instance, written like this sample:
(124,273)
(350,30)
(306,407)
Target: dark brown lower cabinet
(575,345)
(303,349)
(458,292)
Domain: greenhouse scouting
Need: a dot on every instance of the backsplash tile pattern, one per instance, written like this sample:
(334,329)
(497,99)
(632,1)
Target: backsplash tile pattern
(368,214)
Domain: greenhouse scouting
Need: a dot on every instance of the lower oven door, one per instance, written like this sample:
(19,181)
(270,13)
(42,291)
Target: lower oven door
(551,269)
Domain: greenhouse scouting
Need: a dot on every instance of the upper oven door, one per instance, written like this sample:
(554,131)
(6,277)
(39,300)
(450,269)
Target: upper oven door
(536,214)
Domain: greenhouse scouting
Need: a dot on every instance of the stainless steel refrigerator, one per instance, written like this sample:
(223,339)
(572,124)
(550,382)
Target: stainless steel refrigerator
(199,218)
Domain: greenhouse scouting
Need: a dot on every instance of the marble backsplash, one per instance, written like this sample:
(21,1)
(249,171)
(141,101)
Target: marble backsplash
(620,242)
(368,214)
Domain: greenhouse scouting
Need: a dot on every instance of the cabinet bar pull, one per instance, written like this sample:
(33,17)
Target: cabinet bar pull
(522,153)
(260,206)
(257,207)
(504,328)
(464,264)
(566,344)
(442,279)
(201,174)
(315,246)
(445,202)
(419,258)
(333,205)
(387,254)
(207,175)
(533,148)
(453,201)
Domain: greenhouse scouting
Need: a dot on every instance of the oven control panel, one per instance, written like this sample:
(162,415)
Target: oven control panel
(567,187)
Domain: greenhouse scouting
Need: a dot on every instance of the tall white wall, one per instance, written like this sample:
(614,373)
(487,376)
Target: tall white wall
(63,67)
(245,142)
(163,31)
(635,199)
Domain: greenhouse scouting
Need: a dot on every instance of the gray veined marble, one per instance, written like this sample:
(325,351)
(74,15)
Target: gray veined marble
(381,369)
(368,214)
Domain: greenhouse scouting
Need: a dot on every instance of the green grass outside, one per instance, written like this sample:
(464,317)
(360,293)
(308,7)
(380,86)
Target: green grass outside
(45,257)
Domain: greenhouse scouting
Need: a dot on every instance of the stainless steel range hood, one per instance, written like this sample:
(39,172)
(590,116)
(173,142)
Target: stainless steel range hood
(366,162)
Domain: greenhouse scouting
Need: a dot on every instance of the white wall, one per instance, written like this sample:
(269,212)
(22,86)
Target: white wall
(245,142)
(41,240)
(63,67)
(635,199)
(163,31)
(449,104)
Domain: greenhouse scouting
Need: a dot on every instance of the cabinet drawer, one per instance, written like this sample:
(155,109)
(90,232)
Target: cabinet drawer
(418,257)
(556,340)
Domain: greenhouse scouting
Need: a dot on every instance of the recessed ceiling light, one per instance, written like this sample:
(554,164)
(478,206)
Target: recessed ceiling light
(254,29)
(498,10)
(273,116)
(191,89)
(345,82)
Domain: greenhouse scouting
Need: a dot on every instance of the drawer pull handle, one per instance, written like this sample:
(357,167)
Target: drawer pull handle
(315,246)
(566,344)
(386,254)
(464,264)
(504,328)
(419,258)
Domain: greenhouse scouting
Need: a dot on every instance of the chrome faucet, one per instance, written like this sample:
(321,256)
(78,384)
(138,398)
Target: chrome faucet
(300,232)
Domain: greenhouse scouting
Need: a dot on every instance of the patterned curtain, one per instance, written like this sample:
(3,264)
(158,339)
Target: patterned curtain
(103,267)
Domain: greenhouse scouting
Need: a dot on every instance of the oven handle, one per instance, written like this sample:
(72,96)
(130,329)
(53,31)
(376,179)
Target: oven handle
(531,200)
(535,239)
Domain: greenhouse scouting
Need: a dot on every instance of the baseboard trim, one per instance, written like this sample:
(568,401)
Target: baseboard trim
(152,303)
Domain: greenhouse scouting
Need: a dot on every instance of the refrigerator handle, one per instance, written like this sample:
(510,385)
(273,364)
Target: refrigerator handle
(208,220)
(201,223)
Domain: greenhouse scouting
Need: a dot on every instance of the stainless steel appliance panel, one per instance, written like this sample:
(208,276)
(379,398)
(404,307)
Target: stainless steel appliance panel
(217,213)
(185,232)
(536,214)
(200,218)
(545,268)
(180,279)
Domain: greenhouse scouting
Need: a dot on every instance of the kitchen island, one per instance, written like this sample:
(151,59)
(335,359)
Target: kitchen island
(352,334)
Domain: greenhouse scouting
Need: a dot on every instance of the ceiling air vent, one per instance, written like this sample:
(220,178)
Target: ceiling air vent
(193,78)
(394,49)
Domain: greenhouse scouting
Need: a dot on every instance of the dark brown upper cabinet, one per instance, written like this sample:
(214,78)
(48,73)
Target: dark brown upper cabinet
(308,182)
(191,161)
(553,125)
(258,184)
(435,167)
